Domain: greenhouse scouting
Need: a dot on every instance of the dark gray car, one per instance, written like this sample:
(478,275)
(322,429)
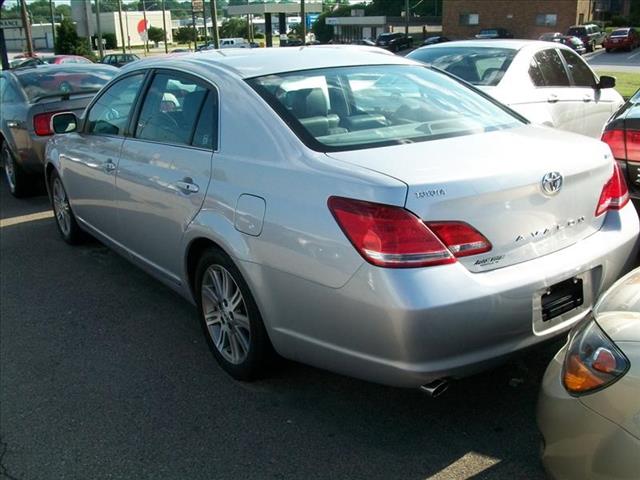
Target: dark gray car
(30,96)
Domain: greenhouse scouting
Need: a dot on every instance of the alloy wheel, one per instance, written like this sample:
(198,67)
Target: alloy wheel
(9,169)
(225,314)
(61,207)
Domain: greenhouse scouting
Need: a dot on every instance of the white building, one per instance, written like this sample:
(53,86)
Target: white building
(132,25)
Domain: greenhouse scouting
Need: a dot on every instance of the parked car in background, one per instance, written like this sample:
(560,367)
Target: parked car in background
(574,43)
(435,39)
(119,59)
(234,43)
(546,82)
(180,50)
(489,33)
(551,37)
(383,220)
(622,134)
(30,96)
(622,38)
(394,41)
(365,41)
(591,35)
(22,62)
(588,406)
(58,59)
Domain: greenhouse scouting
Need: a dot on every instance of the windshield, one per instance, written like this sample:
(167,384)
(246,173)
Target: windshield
(476,65)
(351,108)
(46,82)
(577,31)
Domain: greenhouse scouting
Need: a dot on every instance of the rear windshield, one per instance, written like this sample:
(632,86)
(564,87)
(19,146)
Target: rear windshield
(577,31)
(489,32)
(350,108)
(476,65)
(620,33)
(43,83)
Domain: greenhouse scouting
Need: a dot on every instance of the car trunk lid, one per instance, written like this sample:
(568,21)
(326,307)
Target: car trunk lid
(493,182)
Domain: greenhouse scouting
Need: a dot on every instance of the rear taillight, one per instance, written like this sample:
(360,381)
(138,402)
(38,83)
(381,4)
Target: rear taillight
(632,143)
(42,124)
(615,140)
(390,236)
(615,193)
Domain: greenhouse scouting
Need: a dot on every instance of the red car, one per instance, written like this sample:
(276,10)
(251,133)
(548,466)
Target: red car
(57,59)
(627,38)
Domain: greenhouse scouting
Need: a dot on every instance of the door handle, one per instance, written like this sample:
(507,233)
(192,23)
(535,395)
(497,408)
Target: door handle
(13,124)
(553,98)
(109,166)
(187,186)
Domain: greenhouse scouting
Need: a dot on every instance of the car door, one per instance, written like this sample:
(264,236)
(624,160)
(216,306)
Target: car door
(90,158)
(165,168)
(597,103)
(553,93)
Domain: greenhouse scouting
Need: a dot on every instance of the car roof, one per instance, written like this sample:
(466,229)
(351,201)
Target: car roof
(513,44)
(248,63)
(63,67)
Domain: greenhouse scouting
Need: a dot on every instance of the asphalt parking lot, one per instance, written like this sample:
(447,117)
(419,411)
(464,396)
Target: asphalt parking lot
(105,375)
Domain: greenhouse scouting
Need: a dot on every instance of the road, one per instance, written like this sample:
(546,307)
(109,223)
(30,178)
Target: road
(105,375)
(617,60)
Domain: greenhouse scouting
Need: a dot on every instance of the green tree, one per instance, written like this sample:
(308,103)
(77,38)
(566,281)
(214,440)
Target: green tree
(156,35)
(234,27)
(66,38)
(185,35)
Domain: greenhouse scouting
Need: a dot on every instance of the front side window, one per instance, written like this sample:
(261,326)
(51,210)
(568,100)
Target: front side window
(580,72)
(170,110)
(110,114)
(476,65)
(350,108)
(551,68)
(469,19)
(546,19)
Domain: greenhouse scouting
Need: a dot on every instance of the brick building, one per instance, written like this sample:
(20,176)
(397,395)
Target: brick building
(524,18)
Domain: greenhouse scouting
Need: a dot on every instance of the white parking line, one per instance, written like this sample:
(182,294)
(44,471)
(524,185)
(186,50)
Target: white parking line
(634,55)
(9,222)
(467,466)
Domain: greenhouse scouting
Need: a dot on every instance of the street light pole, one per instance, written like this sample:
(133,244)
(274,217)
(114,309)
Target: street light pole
(27,27)
(406,17)
(99,30)
(146,30)
(214,20)
(53,22)
(303,21)
(164,28)
(124,47)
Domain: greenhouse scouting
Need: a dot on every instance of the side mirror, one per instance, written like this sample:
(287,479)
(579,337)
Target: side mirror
(606,82)
(65,122)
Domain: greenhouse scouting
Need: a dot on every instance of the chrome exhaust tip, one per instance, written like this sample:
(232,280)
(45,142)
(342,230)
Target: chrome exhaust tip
(435,388)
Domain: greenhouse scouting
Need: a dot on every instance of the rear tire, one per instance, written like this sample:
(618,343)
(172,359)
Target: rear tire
(17,179)
(63,215)
(230,318)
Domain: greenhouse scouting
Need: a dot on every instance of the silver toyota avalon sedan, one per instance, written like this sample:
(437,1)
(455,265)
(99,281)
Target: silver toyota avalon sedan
(352,210)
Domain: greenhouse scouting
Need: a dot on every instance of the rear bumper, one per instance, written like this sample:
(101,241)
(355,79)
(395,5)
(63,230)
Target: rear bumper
(407,327)
(579,442)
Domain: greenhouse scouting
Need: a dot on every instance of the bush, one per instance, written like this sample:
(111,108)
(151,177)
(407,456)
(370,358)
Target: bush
(619,21)
(110,41)
(66,38)
(258,35)
(156,35)
(83,48)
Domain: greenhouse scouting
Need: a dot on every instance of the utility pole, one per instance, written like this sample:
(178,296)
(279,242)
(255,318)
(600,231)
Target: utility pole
(195,28)
(303,21)
(99,29)
(27,27)
(4,59)
(214,20)
(124,48)
(164,28)
(53,22)
(146,29)
(406,17)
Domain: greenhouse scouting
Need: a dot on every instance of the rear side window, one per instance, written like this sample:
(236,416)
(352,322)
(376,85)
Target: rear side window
(170,110)
(580,72)
(551,68)
(110,114)
(206,134)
